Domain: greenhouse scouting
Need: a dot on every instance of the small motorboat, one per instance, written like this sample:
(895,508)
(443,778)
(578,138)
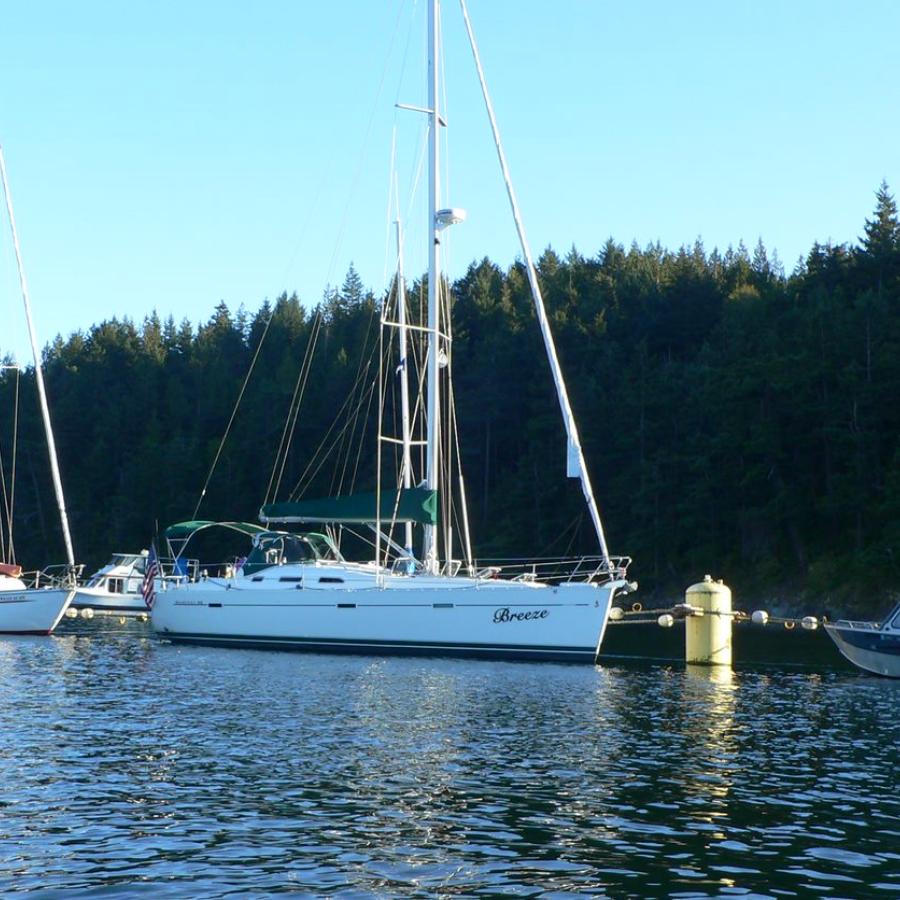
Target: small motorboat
(873,646)
(116,588)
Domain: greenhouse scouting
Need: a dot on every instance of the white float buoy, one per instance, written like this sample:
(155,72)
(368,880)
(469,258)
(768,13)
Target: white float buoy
(810,623)
(616,613)
(87,613)
(666,620)
(759,617)
(71,613)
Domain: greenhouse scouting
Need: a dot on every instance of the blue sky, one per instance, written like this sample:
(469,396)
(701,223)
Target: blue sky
(169,155)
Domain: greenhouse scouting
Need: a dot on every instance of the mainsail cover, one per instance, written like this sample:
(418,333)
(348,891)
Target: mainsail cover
(411,505)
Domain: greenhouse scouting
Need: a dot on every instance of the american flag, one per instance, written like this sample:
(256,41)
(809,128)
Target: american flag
(148,588)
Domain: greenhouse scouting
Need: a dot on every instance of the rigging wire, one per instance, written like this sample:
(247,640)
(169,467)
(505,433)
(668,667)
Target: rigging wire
(345,452)
(7,544)
(575,453)
(300,486)
(354,181)
(237,404)
(464,510)
(364,419)
(281,457)
(284,445)
(312,469)
(287,433)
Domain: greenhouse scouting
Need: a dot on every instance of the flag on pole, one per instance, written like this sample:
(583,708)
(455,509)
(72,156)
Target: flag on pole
(148,588)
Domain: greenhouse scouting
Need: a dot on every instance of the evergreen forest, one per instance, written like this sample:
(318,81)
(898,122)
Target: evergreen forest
(737,420)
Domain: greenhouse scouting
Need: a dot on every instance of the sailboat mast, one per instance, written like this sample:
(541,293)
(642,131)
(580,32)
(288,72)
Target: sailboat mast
(434,278)
(39,375)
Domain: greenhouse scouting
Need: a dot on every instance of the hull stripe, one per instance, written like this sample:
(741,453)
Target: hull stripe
(416,648)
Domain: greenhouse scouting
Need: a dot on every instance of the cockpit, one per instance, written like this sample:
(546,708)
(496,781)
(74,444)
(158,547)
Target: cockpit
(283,548)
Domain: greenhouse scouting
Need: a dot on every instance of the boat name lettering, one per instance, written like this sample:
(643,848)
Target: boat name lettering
(504,615)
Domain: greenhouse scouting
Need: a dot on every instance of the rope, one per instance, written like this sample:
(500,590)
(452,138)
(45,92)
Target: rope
(685,611)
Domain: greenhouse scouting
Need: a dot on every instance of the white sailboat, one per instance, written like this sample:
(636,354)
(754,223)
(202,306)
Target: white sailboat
(34,604)
(296,591)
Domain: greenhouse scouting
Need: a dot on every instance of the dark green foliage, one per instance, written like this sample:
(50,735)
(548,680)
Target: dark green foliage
(735,421)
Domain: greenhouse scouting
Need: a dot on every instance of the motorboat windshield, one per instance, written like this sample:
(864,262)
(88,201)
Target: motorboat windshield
(893,619)
(123,566)
(136,560)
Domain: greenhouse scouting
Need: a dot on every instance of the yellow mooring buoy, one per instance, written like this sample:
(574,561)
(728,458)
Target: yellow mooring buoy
(707,630)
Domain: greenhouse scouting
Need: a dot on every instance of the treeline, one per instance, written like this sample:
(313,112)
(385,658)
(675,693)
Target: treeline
(736,420)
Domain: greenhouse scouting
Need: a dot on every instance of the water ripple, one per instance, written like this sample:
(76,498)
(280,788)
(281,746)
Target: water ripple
(129,766)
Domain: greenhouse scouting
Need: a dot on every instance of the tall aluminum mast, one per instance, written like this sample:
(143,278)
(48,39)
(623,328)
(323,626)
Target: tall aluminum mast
(39,375)
(433,412)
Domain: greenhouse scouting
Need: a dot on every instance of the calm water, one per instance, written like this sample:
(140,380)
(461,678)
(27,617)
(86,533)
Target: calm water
(131,767)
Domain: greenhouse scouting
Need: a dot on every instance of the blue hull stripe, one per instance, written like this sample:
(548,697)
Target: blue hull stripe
(393,648)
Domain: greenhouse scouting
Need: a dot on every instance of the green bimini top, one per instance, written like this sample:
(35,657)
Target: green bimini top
(413,505)
(182,530)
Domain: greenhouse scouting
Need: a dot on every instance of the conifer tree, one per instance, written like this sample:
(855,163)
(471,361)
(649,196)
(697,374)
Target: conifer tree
(882,232)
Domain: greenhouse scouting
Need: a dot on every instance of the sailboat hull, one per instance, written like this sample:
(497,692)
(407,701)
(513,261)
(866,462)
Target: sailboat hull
(482,619)
(33,610)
